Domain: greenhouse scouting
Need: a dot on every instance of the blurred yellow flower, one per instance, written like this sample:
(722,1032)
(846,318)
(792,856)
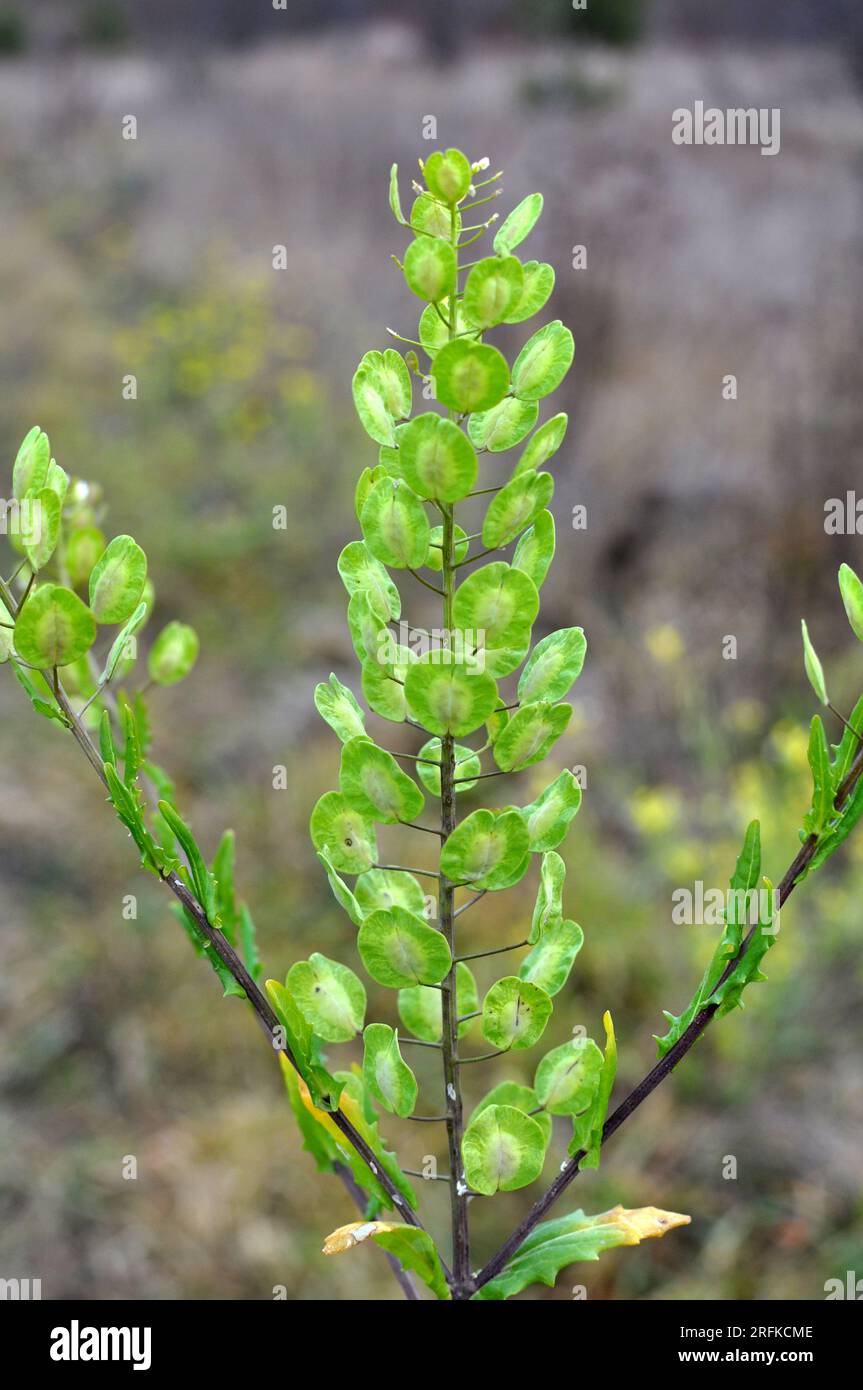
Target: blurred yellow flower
(665,644)
(791,743)
(655,810)
(745,716)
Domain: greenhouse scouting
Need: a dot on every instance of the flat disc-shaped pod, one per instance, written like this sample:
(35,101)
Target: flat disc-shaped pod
(430,268)
(359,569)
(449,697)
(567,1078)
(503,1149)
(54,628)
(530,734)
(433,331)
(461,545)
(467,767)
(386,1073)
(553,666)
(496,607)
(339,708)
(522,1098)
(515,507)
(420,1008)
(548,908)
(544,444)
(437,460)
(492,289)
(448,175)
(504,426)
(382,393)
(369,631)
(372,783)
(341,892)
(515,1013)
(535,551)
(543,362)
(536,291)
(519,224)
(400,950)
(379,890)
(427,216)
(117,580)
(490,849)
(384,684)
(470,376)
(347,836)
(40,526)
(329,995)
(549,963)
(549,816)
(395,525)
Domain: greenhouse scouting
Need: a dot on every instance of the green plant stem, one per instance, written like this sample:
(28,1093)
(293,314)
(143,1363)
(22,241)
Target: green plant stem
(666,1064)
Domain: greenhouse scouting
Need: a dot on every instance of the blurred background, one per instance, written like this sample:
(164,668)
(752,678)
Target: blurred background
(258,127)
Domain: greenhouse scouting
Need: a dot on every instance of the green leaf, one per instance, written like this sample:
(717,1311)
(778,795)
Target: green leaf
(30,469)
(505,425)
(495,608)
(519,224)
(118,650)
(42,510)
(587,1128)
(359,569)
(386,1074)
(554,666)
(821,812)
(530,734)
(489,849)
(492,290)
(814,669)
(535,551)
(515,1013)
(421,1010)
(347,836)
(340,708)
(316,1140)
(543,445)
(567,1078)
(395,201)
(449,698)
(372,783)
(470,376)
(430,268)
(414,1249)
(249,943)
(436,459)
(54,628)
(400,950)
(536,291)
(516,506)
(45,704)
(543,362)
(851,590)
(330,996)
(321,1088)
(503,1149)
(522,1098)
(203,882)
(548,909)
(552,1245)
(549,816)
(448,175)
(117,580)
(549,963)
(385,889)
(468,765)
(395,525)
